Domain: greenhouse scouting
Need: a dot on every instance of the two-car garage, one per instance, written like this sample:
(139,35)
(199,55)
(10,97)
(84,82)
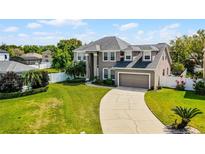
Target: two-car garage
(136,80)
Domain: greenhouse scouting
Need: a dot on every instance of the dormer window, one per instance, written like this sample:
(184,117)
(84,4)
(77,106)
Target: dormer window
(128,55)
(147,56)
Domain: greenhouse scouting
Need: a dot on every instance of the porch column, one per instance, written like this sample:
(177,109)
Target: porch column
(95,64)
(87,75)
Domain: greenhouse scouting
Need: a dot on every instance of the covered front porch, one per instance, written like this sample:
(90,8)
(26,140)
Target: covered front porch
(92,66)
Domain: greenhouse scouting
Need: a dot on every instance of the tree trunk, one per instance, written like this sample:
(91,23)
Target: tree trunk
(183,124)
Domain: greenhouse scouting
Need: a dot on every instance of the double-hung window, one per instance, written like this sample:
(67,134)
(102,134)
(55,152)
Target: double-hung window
(80,56)
(112,74)
(112,56)
(105,73)
(105,56)
(128,55)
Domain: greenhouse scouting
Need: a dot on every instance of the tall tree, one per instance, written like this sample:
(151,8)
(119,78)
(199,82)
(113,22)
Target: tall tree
(61,59)
(188,47)
(69,45)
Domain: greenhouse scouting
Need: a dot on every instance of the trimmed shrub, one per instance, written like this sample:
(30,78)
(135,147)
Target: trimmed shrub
(76,80)
(108,82)
(19,94)
(10,82)
(200,88)
(180,84)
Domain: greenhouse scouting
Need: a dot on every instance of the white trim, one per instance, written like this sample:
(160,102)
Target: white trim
(144,69)
(115,55)
(125,52)
(150,54)
(107,73)
(103,57)
(118,75)
(81,57)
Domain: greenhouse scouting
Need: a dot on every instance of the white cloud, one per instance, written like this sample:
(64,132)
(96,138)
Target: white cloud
(87,36)
(140,32)
(22,35)
(126,27)
(169,32)
(63,22)
(11,29)
(33,25)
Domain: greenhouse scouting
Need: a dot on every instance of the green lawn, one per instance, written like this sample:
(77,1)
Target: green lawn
(64,108)
(161,102)
(52,70)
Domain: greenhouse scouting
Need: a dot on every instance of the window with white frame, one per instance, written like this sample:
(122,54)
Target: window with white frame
(105,73)
(105,56)
(112,56)
(80,56)
(112,74)
(147,56)
(128,55)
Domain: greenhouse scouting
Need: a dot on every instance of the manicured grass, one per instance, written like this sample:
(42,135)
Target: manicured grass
(64,108)
(161,102)
(52,70)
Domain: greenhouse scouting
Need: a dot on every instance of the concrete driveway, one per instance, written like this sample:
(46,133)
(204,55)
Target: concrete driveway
(123,111)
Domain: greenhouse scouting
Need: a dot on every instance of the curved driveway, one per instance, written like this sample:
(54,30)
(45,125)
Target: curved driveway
(123,111)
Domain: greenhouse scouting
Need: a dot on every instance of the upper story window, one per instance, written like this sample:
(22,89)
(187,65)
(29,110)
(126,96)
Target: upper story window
(105,56)
(109,56)
(5,56)
(81,56)
(147,56)
(112,56)
(128,55)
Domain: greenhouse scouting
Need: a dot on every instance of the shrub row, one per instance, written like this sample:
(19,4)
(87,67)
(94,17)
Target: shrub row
(76,80)
(19,94)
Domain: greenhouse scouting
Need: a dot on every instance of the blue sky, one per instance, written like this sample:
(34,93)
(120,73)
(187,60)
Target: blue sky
(42,32)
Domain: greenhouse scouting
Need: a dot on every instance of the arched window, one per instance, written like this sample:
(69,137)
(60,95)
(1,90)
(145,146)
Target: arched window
(5,56)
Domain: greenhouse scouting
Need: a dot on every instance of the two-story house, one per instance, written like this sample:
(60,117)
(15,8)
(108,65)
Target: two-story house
(128,65)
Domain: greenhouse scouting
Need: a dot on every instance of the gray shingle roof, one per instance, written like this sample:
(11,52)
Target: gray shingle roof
(106,43)
(12,66)
(142,64)
(3,51)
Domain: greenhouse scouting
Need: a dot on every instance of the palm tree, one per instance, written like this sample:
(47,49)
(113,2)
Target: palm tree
(32,78)
(186,115)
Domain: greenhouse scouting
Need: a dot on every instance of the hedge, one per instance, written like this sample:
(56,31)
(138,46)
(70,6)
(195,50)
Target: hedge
(20,94)
(76,80)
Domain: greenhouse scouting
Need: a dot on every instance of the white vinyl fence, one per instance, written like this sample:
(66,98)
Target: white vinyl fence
(42,65)
(170,81)
(58,77)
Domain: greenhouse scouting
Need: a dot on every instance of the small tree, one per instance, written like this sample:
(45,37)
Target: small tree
(11,82)
(32,79)
(177,68)
(61,59)
(186,115)
(76,69)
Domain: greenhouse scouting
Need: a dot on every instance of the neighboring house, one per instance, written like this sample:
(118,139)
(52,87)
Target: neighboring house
(128,65)
(47,56)
(4,55)
(11,66)
(31,58)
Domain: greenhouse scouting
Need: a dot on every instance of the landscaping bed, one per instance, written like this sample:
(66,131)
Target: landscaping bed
(162,102)
(64,108)
(19,94)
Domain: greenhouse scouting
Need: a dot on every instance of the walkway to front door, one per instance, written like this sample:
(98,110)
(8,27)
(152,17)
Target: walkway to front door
(123,111)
